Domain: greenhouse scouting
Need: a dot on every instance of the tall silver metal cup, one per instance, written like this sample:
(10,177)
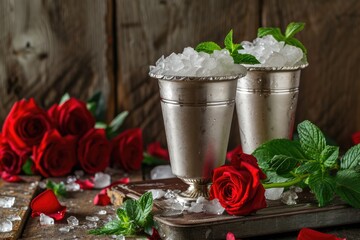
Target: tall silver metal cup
(197,114)
(266,101)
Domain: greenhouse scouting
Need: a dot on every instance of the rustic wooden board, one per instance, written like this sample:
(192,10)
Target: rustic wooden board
(148,29)
(23,193)
(329,88)
(276,218)
(48,48)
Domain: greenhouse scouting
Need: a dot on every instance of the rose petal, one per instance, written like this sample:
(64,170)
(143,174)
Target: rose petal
(230,236)
(235,151)
(47,203)
(85,184)
(101,199)
(7,177)
(309,234)
(356,138)
(155,235)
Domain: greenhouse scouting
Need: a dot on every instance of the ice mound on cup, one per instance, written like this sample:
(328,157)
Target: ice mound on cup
(271,53)
(197,64)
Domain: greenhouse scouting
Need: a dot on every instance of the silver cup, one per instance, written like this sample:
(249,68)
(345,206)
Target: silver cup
(266,101)
(197,113)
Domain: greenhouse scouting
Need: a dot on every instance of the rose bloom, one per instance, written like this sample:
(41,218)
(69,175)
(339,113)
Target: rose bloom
(238,186)
(94,151)
(72,117)
(10,162)
(235,151)
(155,149)
(56,155)
(25,126)
(355,138)
(127,150)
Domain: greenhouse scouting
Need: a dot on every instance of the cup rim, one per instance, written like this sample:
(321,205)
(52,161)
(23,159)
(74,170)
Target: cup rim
(285,68)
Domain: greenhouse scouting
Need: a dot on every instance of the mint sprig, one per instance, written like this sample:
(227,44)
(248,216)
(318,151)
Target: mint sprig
(210,47)
(132,218)
(310,162)
(292,29)
(58,188)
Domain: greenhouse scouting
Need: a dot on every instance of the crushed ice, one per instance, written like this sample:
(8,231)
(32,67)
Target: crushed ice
(101,180)
(5,225)
(273,193)
(161,172)
(46,220)
(7,202)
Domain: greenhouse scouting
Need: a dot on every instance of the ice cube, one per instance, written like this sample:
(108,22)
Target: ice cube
(91,224)
(275,60)
(101,180)
(92,218)
(157,193)
(118,237)
(213,207)
(72,221)
(292,54)
(161,172)
(171,193)
(173,204)
(201,200)
(14,217)
(196,207)
(273,193)
(289,197)
(65,229)
(42,184)
(102,212)
(6,225)
(72,187)
(46,220)
(7,202)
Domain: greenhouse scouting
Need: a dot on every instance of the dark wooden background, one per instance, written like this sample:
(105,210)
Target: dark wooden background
(49,47)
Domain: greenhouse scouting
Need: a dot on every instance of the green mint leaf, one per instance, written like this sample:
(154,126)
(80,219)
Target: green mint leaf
(64,98)
(329,156)
(146,203)
(283,164)
(351,159)
(293,28)
(122,215)
(308,167)
(237,47)
(348,187)
(244,58)
(208,47)
(27,167)
(228,42)
(58,188)
(312,140)
(132,210)
(296,43)
(322,185)
(265,152)
(275,32)
(115,227)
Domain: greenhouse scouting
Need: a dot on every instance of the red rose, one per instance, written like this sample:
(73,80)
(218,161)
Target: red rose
(94,151)
(356,138)
(235,151)
(25,126)
(238,186)
(72,117)
(56,155)
(155,149)
(10,162)
(127,150)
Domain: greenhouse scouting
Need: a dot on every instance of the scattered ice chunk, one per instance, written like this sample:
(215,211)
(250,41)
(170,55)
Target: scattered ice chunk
(65,229)
(273,193)
(101,180)
(171,193)
(102,212)
(213,207)
(46,220)
(14,217)
(91,224)
(161,172)
(92,218)
(42,184)
(24,208)
(296,189)
(196,207)
(7,202)
(6,225)
(157,193)
(173,204)
(79,173)
(72,187)
(289,197)
(71,179)
(73,221)
(201,200)
(118,237)
(33,185)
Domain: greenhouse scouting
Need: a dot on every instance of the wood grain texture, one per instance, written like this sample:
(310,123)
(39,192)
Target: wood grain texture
(148,29)
(48,48)
(329,88)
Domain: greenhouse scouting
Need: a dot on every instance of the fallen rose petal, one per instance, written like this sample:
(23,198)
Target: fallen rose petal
(230,236)
(356,138)
(102,199)
(7,177)
(85,184)
(47,203)
(309,234)
(155,235)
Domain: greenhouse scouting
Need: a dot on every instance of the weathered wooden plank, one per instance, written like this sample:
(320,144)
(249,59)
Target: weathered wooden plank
(148,29)
(23,193)
(329,89)
(48,48)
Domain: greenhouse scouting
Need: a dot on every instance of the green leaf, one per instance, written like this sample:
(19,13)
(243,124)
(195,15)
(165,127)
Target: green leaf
(348,187)
(294,28)
(312,139)
(115,227)
(275,32)
(273,177)
(208,47)
(99,105)
(284,147)
(58,188)
(329,156)
(308,167)
(322,185)
(146,203)
(118,121)
(153,161)
(132,210)
(228,42)
(91,106)
(244,58)
(100,125)
(27,167)
(64,98)
(237,47)
(296,43)
(351,159)
(283,164)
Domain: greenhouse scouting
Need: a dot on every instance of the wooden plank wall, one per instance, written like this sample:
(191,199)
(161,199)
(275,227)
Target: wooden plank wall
(51,47)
